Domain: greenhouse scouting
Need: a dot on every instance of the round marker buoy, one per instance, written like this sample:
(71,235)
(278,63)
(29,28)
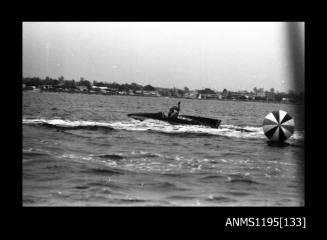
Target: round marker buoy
(278,126)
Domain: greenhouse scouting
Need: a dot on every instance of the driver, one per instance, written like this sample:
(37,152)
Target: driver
(174,111)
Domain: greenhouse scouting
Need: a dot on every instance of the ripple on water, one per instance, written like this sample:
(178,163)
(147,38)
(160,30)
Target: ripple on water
(211,178)
(104,171)
(110,156)
(220,199)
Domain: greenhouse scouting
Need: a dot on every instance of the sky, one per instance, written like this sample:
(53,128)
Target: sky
(217,55)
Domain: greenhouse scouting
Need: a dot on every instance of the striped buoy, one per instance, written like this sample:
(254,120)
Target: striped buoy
(278,126)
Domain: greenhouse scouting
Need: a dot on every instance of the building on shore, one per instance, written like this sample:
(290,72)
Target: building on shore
(46,87)
(82,88)
(122,93)
(270,96)
(211,96)
(138,93)
(190,94)
(151,93)
(103,89)
(260,93)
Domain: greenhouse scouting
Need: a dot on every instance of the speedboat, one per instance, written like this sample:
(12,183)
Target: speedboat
(181,119)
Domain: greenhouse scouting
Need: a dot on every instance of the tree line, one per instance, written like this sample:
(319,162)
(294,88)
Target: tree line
(70,84)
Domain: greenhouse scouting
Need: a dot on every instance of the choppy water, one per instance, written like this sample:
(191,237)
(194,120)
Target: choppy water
(83,150)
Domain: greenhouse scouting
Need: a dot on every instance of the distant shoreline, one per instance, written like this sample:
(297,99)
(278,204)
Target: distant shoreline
(170,97)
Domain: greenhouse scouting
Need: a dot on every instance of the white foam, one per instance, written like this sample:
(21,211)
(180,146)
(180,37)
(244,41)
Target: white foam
(254,132)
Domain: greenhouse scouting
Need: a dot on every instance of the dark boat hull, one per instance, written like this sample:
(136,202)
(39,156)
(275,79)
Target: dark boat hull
(182,119)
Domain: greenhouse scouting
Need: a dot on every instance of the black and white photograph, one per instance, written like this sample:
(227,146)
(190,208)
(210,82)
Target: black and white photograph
(164,114)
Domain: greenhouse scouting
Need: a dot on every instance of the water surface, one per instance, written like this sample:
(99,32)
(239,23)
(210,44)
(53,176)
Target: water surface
(83,150)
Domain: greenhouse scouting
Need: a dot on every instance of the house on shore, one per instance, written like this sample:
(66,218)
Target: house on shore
(211,96)
(103,89)
(190,94)
(138,93)
(46,87)
(270,96)
(82,88)
(151,93)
